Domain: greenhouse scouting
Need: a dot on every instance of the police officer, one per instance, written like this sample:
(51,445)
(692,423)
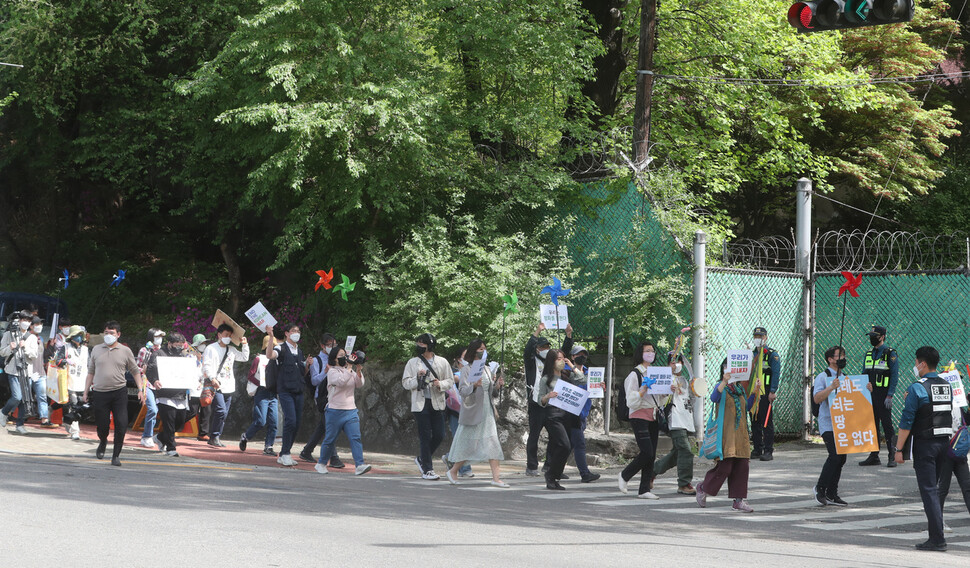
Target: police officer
(763,426)
(882,367)
(926,415)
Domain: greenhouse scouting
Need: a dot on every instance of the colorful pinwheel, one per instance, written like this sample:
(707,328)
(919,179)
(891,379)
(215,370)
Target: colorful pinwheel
(345,286)
(511,303)
(555,291)
(851,283)
(66,278)
(325,278)
(118,278)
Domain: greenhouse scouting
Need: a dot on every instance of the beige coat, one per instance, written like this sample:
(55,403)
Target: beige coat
(446,379)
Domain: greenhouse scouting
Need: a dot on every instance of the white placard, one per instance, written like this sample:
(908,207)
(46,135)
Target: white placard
(956,384)
(349,346)
(572,399)
(477,369)
(178,373)
(260,316)
(664,378)
(739,364)
(547,315)
(54,321)
(597,381)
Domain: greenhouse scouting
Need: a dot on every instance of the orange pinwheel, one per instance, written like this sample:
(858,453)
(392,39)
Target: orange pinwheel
(325,278)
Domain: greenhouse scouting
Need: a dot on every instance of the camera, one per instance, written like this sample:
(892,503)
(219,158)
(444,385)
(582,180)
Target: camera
(359,358)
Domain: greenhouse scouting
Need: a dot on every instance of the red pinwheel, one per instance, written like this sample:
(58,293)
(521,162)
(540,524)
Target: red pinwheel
(325,278)
(851,283)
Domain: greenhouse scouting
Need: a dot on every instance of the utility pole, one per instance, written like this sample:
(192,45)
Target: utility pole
(641,111)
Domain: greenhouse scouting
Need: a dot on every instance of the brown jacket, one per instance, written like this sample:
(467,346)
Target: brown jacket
(735,442)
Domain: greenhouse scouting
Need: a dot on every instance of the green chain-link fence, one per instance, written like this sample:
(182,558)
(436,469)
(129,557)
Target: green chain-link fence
(927,308)
(740,300)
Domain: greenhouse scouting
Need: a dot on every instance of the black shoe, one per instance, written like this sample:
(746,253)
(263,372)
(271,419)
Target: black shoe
(553,484)
(307,457)
(755,454)
(892,461)
(591,477)
(336,463)
(873,459)
(836,500)
(99,453)
(767,457)
(116,461)
(563,476)
(819,496)
(269,452)
(242,444)
(545,468)
(932,546)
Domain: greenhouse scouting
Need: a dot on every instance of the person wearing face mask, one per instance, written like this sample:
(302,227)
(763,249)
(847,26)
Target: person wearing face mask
(318,378)
(58,341)
(926,416)
(173,404)
(642,406)
(763,424)
(13,349)
(343,378)
(32,377)
(882,366)
(558,422)
(203,414)
(291,365)
(577,435)
(681,425)
(536,350)
(265,407)
(145,354)
(75,358)
(217,370)
(453,413)
(107,388)
(428,377)
(827,489)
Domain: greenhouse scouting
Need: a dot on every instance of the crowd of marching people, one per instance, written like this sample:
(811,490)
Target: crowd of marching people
(94,379)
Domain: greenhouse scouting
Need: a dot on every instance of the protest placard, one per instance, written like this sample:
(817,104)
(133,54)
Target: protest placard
(571,398)
(547,315)
(477,368)
(260,316)
(664,380)
(959,393)
(222,317)
(853,425)
(178,373)
(597,381)
(739,365)
(349,346)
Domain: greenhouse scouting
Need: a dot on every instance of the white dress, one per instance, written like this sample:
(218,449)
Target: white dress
(479,442)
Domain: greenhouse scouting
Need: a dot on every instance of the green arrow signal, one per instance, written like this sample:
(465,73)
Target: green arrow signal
(857,11)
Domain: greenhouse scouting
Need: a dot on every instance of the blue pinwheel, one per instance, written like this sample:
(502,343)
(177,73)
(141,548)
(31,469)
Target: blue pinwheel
(555,291)
(66,279)
(118,278)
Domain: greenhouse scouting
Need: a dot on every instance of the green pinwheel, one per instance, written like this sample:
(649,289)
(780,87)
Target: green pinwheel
(511,303)
(345,286)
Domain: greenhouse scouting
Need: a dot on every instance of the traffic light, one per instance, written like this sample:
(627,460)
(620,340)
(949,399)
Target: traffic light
(824,15)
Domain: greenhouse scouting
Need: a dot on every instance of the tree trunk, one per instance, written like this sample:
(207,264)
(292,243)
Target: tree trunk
(641,111)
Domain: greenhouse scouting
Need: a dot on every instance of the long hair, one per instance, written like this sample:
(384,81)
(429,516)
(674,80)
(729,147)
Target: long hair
(549,366)
(472,349)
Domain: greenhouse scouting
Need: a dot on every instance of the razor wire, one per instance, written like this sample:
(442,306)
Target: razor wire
(856,251)
(769,253)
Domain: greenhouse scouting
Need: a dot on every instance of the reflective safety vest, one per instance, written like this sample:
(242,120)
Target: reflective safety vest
(934,420)
(878,370)
(766,366)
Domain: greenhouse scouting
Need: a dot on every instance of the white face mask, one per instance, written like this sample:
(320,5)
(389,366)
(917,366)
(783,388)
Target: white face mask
(64,331)
(110,339)
(24,325)
(916,371)
(225,340)
(758,342)
(157,341)
(678,368)
(649,356)
(38,328)
(295,337)
(543,353)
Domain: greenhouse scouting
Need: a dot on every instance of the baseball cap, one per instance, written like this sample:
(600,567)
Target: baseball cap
(198,339)
(877,330)
(759,331)
(577,349)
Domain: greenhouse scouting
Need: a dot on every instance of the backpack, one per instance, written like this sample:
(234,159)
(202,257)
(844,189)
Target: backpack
(816,406)
(323,396)
(662,415)
(960,442)
(622,410)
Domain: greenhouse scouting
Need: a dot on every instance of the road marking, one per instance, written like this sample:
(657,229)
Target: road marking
(891,509)
(759,506)
(962,531)
(870,523)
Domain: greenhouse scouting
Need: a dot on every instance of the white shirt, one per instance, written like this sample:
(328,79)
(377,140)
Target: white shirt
(211,357)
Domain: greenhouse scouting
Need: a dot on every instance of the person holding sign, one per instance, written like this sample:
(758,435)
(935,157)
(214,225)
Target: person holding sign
(882,366)
(428,377)
(642,406)
(536,350)
(558,422)
(577,436)
(173,403)
(476,439)
(265,404)
(318,378)
(763,424)
(681,424)
(291,365)
(927,416)
(217,363)
(957,466)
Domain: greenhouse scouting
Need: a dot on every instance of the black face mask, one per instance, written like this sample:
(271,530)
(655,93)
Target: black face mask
(874,340)
(420,350)
(580,360)
(840,363)
(341,361)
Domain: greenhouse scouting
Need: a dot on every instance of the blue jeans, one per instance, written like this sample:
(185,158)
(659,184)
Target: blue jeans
(291,403)
(15,395)
(39,387)
(151,411)
(453,424)
(345,421)
(264,414)
(577,438)
(220,409)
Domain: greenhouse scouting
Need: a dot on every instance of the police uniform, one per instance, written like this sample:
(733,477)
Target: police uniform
(763,425)
(881,365)
(927,415)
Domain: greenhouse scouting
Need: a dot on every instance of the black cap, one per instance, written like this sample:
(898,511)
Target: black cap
(877,330)
(759,331)
(542,342)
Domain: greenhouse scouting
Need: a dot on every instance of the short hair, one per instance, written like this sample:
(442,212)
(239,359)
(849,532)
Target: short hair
(327,338)
(332,356)
(830,352)
(928,355)
(223,327)
(639,353)
(64,322)
(289,326)
(176,337)
(112,324)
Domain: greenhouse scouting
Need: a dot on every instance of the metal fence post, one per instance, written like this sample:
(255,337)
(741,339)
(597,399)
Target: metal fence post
(803,230)
(609,382)
(699,325)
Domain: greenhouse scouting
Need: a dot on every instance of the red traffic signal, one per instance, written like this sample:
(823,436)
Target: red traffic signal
(824,15)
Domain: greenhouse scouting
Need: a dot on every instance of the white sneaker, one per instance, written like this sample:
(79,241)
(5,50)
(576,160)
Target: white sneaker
(21,430)
(430,475)
(75,436)
(148,442)
(286,460)
(501,484)
(947,528)
(362,469)
(321,468)
(172,454)
(647,495)
(622,483)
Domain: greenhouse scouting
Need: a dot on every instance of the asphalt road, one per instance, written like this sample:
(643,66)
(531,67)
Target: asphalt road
(83,512)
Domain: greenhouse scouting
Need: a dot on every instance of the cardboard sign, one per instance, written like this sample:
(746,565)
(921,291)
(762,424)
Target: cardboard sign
(349,345)
(222,317)
(597,381)
(260,316)
(547,315)
(853,425)
(739,365)
(178,373)
(959,393)
(664,380)
(571,398)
